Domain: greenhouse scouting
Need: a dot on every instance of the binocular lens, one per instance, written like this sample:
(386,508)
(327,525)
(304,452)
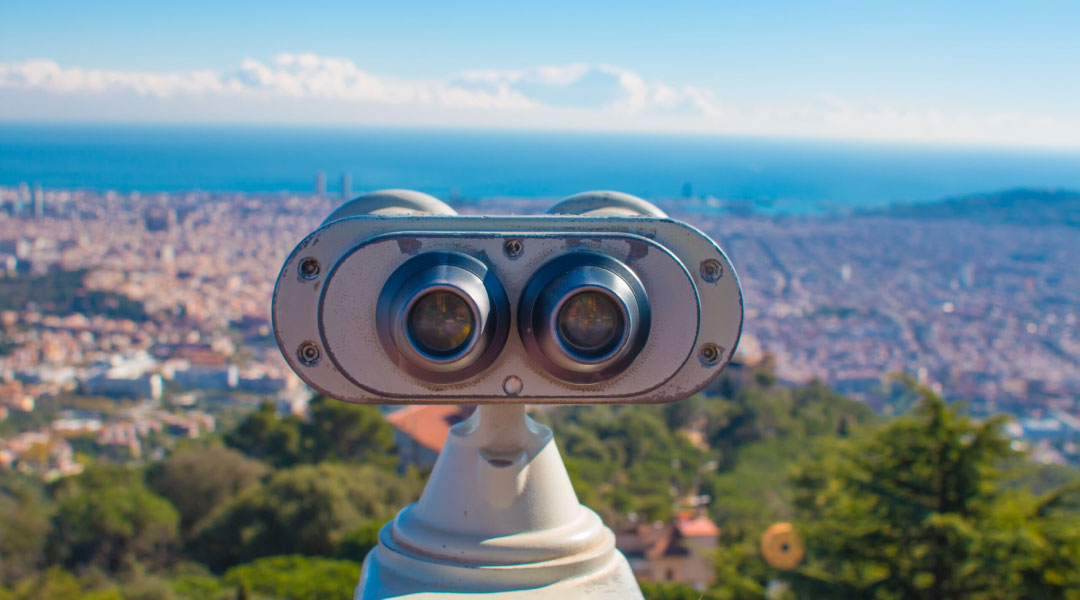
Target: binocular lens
(441,323)
(589,323)
(442,317)
(584,317)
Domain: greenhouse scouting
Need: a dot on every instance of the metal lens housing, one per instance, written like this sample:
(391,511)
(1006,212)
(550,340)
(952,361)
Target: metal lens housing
(584,317)
(443,316)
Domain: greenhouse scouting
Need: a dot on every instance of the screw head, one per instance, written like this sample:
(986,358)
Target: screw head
(308,353)
(513,385)
(513,248)
(710,354)
(309,268)
(711,270)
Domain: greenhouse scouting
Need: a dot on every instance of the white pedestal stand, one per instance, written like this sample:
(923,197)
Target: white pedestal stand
(498,518)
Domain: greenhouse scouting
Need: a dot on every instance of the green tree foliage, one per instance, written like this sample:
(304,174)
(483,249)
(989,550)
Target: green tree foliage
(647,459)
(625,459)
(741,574)
(919,511)
(266,436)
(303,510)
(54,582)
(296,578)
(662,590)
(334,431)
(356,544)
(196,480)
(932,505)
(198,587)
(24,527)
(342,431)
(108,519)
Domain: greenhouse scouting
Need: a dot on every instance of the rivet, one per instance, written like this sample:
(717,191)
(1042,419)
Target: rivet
(711,270)
(308,353)
(309,268)
(513,248)
(710,354)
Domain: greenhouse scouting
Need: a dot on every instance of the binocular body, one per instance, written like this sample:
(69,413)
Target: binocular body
(414,308)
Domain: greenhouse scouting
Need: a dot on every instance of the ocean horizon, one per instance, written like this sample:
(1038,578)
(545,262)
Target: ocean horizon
(773,175)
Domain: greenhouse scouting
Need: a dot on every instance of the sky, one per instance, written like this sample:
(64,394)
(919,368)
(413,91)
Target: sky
(964,72)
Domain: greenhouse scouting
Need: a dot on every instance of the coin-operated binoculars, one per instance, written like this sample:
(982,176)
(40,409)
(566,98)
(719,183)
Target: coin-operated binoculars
(396,299)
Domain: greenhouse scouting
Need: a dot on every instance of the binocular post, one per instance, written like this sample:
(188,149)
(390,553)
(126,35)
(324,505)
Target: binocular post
(498,517)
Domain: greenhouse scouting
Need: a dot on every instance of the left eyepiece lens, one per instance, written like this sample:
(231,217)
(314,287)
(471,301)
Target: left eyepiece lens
(442,316)
(441,323)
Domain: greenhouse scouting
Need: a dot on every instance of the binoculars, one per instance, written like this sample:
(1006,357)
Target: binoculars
(397,299)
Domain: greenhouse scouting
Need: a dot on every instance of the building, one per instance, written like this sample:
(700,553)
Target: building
(21,200)
(41,453)
(223,378)
(421,430)
(130,377)
(39,202)
(346,186)
(320,183)
(681,550)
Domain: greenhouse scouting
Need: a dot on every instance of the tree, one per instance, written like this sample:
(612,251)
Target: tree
(918,511)
(113,525)
(659,590)
(199,479)
(51,583)
(334,431)
(296,577)
(356,544)
(24,527)
(303,510)
(265,436)
(344,431)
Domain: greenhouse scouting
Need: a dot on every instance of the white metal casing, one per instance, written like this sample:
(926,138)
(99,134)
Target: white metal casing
(335,310)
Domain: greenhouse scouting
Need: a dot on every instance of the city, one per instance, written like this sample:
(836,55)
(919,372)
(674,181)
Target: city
(169,330)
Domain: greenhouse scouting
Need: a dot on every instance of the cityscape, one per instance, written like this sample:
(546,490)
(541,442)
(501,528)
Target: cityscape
(895,188)
(169,332)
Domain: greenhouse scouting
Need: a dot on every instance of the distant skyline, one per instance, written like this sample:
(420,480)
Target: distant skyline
(993,73)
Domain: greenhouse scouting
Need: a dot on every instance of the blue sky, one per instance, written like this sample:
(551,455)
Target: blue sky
(1003,73)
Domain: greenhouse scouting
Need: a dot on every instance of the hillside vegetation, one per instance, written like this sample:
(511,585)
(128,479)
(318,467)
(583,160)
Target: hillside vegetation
(931,505)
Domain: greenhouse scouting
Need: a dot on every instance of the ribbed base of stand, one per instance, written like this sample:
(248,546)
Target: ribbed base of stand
(601,573)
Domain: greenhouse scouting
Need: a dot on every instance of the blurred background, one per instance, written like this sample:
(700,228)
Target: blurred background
(898,186)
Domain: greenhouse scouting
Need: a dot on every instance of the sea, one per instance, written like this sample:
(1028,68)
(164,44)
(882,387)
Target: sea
(782,176)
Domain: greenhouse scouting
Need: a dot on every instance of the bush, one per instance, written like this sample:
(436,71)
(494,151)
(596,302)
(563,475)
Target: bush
(296,577)
(303,510)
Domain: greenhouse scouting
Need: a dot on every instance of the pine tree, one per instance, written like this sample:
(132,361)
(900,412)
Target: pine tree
(920,511)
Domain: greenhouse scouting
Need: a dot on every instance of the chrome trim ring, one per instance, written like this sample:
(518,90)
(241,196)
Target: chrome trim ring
(471,281)
(560,280)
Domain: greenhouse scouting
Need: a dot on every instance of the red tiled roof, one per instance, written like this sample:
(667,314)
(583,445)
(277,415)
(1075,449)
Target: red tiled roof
(428,425)
(700,526)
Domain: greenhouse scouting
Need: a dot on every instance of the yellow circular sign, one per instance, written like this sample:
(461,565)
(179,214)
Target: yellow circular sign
(782,547)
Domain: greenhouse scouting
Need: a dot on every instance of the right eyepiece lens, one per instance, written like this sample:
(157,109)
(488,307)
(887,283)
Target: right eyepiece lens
(590,323)
(584,317)
(441,323)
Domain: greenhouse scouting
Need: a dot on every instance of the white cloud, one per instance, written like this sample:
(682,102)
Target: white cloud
(301,88)
(287,75)
(321,77)
(50,76)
